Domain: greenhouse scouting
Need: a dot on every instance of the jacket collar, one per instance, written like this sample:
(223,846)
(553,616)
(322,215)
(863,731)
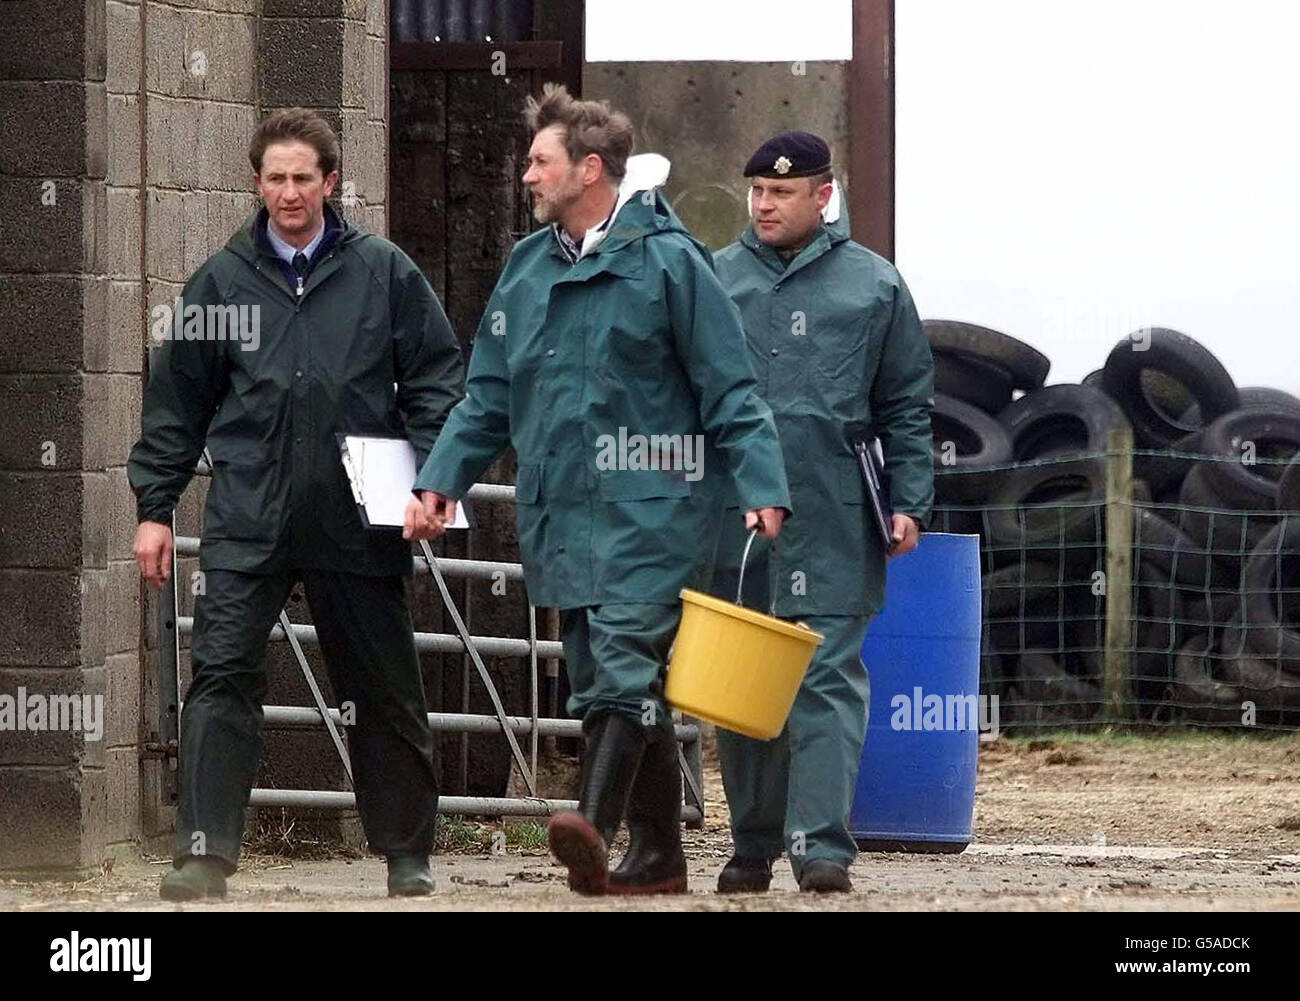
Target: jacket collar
(823,241)
(250,241)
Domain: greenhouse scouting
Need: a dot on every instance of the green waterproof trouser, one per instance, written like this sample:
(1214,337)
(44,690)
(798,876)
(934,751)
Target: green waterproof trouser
(794,793)
(616,656)
(365,632)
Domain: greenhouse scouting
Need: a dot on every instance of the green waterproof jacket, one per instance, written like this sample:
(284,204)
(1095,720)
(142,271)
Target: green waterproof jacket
(365,348)
(570,364)
(839,353)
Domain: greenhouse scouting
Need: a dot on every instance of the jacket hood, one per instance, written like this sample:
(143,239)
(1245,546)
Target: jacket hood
(640,208)
(250,239)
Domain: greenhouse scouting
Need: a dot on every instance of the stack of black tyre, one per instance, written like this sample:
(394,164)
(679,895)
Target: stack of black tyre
(1214,557)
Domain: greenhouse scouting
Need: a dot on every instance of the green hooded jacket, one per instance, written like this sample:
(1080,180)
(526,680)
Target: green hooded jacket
(366,348)
(570,364)
(839,352)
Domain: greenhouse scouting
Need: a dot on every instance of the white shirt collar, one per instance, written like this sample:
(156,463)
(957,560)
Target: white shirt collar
(285,252)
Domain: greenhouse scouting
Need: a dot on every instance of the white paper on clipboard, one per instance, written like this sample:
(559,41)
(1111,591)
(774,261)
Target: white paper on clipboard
(381,472)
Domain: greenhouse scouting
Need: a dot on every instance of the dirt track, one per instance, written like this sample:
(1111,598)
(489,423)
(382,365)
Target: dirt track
(1093,823)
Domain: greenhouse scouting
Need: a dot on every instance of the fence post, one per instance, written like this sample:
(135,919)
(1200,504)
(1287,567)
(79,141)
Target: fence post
(1119,573)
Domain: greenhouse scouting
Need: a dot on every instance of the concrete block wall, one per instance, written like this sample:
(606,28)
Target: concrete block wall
(90,243)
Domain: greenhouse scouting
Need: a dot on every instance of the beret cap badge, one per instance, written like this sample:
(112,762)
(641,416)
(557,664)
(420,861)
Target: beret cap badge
(790,154)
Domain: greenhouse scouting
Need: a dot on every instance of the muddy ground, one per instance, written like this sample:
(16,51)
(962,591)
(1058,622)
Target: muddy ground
(1180,822)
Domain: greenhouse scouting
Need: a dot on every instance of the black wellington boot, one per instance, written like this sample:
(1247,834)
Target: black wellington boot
(654,862)
(615,744)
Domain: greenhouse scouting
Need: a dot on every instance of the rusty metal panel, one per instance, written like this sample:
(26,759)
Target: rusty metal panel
(871,126)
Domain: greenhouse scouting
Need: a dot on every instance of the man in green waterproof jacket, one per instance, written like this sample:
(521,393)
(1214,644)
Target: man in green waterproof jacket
(301,328)
(840,356)
(614,363)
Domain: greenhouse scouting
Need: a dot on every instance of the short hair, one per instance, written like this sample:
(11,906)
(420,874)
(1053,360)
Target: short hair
(589,127)
(826,177)
(297,125)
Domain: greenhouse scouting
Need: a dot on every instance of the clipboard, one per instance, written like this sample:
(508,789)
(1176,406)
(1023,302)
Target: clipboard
(381,472)
(871,461)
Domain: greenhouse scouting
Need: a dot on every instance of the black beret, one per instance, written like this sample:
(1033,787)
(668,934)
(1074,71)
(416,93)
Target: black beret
(790,154)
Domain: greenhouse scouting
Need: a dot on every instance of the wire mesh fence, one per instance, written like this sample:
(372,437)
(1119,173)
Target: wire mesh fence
(1103,603)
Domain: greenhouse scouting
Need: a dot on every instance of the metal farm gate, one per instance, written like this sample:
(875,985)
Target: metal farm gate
(171,627)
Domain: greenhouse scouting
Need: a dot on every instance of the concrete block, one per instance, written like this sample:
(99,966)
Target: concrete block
(94,815)
(123,47)
(95,38)
(165,246)
(120,241)
(125,399)
(355,48)
(122,631)
(42,524)
(96,130)
(43,40)
(195,244)
(375,219)
(224,6)
(43,824)
(46,315)
(123,788)
(40,423)
(95,237)
(376,92)
(300,62)
(175,143)
(376,17)
(219,56)
(93,292)
(96,134)
(122,697)
(49,737)
(43,218)
(125,327)
(121,517)
(93,685)
(233,172)
(165,63)
(302,8)
(123,140)
(44,608)
(94,612)
(96,415)
(95,507)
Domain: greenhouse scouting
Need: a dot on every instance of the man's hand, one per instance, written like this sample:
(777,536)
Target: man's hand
(420,521)
(153,552)
(906,533)
(428,516)
(766,519)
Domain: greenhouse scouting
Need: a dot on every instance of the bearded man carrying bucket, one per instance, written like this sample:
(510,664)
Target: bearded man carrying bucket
(840,355)
(606,325)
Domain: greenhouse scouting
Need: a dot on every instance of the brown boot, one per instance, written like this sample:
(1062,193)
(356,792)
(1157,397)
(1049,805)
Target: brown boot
(615,744)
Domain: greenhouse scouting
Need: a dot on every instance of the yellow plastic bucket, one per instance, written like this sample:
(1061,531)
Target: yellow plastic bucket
(735,667)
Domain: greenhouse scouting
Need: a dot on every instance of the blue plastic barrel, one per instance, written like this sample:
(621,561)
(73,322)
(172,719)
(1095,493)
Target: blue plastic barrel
(916,781)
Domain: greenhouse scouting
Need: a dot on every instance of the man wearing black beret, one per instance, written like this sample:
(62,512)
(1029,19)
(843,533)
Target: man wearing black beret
(840,356)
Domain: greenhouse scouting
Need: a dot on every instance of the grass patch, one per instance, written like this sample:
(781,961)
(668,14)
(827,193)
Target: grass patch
(1143,737)
(456,834)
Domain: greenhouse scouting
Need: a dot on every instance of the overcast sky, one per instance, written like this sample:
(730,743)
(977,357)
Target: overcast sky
(1067,171)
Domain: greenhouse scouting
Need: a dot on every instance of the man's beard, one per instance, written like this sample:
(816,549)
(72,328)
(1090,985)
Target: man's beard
(546,210)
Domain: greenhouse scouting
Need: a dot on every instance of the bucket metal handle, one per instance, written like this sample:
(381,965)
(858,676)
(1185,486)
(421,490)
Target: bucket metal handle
(740,586)
(743,560)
